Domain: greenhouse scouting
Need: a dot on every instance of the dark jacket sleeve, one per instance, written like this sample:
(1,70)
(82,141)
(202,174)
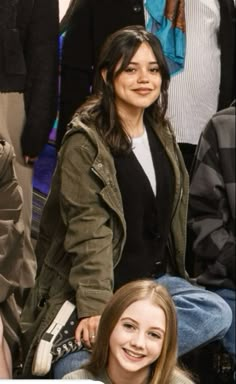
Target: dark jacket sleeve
(76,65)
(210,217)
(227,47)
(40,42)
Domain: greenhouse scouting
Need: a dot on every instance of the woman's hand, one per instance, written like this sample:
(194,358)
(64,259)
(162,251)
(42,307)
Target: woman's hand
(30,160)
(86,331)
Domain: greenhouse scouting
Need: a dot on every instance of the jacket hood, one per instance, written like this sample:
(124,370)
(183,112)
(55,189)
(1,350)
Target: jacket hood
(76,126)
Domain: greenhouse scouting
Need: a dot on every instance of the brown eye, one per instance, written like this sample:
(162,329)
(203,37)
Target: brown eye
(154,335)
(155,70)
(129,69)
(128,326)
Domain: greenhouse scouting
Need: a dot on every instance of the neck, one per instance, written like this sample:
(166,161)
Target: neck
(134,127)
(133,121)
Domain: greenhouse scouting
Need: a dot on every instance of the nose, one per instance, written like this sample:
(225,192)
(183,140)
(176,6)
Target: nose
(143,76)
(138,340)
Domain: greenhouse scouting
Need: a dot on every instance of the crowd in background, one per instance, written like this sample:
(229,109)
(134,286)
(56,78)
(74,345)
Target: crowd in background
(143,190)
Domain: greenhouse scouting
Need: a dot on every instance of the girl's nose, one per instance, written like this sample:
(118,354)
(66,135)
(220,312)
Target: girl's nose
(138,340)
(143,76)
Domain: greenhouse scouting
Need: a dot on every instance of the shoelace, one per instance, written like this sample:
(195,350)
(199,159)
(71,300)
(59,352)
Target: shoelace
(66,348)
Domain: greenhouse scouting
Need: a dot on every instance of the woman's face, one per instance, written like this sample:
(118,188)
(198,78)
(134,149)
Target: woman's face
(139,85)
(137,339)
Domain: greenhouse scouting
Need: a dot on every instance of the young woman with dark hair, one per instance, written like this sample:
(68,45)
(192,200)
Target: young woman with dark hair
(117,207)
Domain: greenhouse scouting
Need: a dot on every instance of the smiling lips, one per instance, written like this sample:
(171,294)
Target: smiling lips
(133,355)
(143,91)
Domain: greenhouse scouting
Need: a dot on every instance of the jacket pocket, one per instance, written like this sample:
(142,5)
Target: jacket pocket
(13,53)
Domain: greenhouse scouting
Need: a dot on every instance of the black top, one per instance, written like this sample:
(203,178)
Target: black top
(147,216)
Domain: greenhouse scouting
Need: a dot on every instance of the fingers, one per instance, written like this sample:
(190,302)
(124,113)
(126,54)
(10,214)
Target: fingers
(86,331)
(30,160)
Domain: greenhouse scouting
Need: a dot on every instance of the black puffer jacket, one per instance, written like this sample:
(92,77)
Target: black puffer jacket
(29,63)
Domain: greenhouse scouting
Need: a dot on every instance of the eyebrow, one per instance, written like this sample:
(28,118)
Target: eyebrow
(136,63)
(134,321)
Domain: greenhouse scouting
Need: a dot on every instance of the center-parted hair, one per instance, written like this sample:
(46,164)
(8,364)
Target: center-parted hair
(161,370)
(119,48)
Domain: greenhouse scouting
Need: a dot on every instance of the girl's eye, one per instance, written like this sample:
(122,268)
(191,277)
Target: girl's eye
(129,69)
(155,69)
(154,335)
(128,326)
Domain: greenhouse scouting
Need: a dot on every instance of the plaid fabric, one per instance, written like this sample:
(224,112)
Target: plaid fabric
(212,202)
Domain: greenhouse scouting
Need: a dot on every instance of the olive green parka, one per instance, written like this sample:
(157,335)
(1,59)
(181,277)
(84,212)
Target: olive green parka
(83,230)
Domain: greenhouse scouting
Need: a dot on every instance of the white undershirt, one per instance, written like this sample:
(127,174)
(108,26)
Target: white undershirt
(141,149)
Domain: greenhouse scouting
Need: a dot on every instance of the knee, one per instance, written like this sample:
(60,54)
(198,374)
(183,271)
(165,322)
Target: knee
(224,314)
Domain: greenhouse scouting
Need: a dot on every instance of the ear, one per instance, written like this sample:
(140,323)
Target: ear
(104,74)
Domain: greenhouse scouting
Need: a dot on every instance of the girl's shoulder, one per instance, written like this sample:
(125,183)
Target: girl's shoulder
(180,377)
(80,374)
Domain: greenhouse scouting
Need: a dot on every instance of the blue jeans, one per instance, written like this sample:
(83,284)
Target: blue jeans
(229,296)
(203,317)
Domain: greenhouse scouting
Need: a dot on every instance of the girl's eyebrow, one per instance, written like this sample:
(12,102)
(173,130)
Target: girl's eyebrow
(130,319)
(136,63)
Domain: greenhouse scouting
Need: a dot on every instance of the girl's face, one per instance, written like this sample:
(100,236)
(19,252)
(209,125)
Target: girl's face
(137,339)
(139,85)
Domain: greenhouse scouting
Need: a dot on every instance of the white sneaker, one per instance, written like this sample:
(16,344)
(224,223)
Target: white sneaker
(57,341)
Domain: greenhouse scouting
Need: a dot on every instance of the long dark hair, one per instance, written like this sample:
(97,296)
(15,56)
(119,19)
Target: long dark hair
(120,47)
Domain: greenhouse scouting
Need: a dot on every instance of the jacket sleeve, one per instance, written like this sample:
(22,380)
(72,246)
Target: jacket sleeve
(41,56)
(88,239)
(210,218)
(11,224)
(76,65)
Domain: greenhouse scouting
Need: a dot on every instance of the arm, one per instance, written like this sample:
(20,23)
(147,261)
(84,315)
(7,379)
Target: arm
(5,356)
(41,56)
(11,224)
(210,216)
(89,236)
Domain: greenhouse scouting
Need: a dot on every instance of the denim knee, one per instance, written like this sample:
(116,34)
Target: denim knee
(203,316)
(224,314)
(229,296)
(70,363)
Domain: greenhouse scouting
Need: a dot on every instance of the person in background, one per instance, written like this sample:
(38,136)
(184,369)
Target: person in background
(11,238)
(138,335)
(28,96)
(113,213)
(197,36)
(5,356)
(212,211)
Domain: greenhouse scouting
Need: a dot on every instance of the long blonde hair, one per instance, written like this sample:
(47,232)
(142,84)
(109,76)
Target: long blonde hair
(163,368)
